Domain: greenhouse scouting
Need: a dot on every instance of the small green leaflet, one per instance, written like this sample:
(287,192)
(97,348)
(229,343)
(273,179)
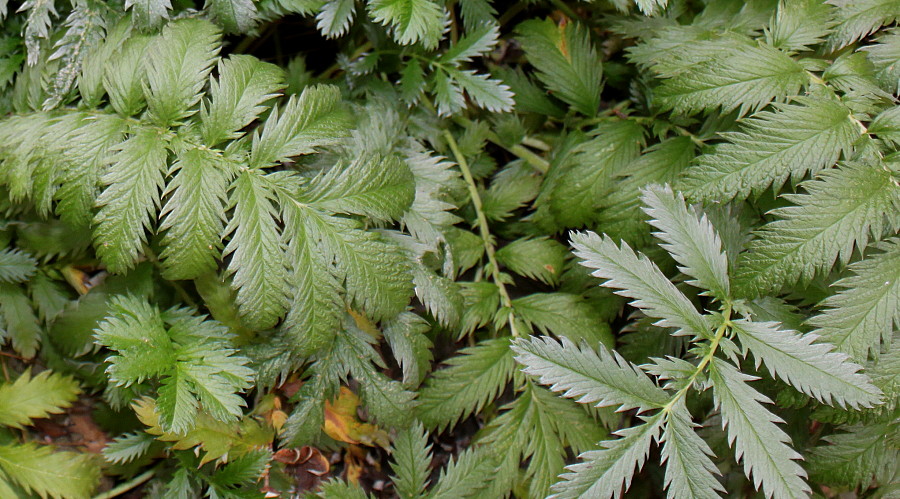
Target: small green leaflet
(863,312)
(758,443)
(566,62)
(810,367)
(809,237)
(635,276)
(690,238)
(689,470)
(605,473)
(29,398)
(746,79)
(411,21)
(602,378)
(796,139)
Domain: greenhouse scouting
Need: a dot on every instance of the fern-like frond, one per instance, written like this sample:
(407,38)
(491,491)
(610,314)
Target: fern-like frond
(818,230)
(179,62)
(148,13)
(603,379)
(758,443)
(564,314)
(128,204)
(29,398)
(746,79)
(866,309)
(810,367)
(40,470)
(857,455)
(257,251)
(410,457)
(689,470)
(566,61)
(411,21)
(690,238)
(796,139)
(194,213)
(381,188)
(472,379)
(860,18)
(16,266)
(236,97)
(607,472)
(313,120)
(637,277)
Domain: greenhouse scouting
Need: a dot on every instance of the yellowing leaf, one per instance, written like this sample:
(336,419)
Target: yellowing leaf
(342,423)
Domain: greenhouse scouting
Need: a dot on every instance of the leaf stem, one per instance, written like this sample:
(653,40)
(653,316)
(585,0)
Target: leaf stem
(483,229)
(713,347)
(125,487)
(538,163)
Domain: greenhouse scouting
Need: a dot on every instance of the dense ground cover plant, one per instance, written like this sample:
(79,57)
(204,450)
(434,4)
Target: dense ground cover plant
(412,248)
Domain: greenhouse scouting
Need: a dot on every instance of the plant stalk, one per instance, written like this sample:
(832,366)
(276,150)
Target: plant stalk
(483,228)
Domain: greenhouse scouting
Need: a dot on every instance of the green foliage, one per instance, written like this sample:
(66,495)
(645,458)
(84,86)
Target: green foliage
(367,239)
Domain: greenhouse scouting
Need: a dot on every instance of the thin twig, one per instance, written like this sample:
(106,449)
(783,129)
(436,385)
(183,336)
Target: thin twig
(483,229)
(125,487)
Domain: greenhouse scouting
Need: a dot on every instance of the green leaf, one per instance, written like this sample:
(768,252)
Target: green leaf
(541,258)
(192,356)
(410,459)
(810,367)
(604,378)
(385,399)
(148,13)
(313,120)
(758,442)
(809,237)
(582,188)
(796,139)
(639,278)
(90,147)
(887,124)
(375,271)
(379,187)
(128,447)
(486,92)
(236,16)
(315,309)
(564,314)
(335,17)
(463,477)
(178,64)
(885,55)
(746,79)
(19,323)
(30,398)
(689,470)
(257,251)
(411,21)
(862,313)
(798,25)
(566,62)
(194,214)
(411,347)
(690,238)
(478,41)
(473,378)
(46,473)
(860,18)
(606,472)
(237,96)
(128,204)
(125,75)
(16,266)
(856,456)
